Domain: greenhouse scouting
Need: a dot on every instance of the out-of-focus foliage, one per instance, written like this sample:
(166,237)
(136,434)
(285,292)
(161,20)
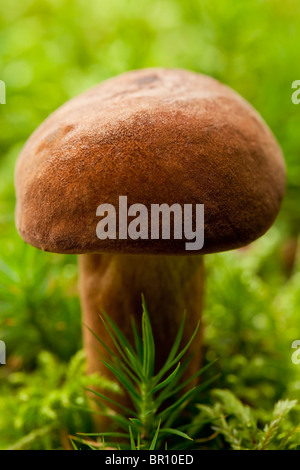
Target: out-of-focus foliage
(39,410)
(236,423)
(251,321)
(51,50)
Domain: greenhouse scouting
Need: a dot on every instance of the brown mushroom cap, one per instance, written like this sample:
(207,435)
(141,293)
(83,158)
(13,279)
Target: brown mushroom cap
(156,136)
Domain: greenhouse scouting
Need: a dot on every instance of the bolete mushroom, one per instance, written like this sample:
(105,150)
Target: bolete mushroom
(157,136)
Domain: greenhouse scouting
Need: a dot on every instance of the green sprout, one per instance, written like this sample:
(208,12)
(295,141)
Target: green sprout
(156,400)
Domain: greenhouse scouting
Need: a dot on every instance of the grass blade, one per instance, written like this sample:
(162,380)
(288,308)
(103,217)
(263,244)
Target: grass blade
(148,343)
(132,443)
(153,443)
(177,432)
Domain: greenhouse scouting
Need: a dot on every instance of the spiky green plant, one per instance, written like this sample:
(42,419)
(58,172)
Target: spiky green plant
(156,399)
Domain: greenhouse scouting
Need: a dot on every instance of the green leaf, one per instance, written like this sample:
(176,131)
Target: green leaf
(138,442)
(132,443)
(117,337)
(173,351)
(136,421)
(153,443)
(124,408)
(117,332)
(114,356)
(167,380)
(163,414)
(103,434)
(194,376)
(181,386)
(111,353)
(170,364)
(73,444)
(135,364)
(148,343)
(183,351)
(137,339)
(177,432)
(125,381)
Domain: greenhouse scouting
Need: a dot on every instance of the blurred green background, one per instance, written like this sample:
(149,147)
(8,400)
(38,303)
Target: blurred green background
(49,52)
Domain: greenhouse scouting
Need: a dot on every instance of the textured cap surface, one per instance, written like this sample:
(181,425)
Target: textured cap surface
(156,136)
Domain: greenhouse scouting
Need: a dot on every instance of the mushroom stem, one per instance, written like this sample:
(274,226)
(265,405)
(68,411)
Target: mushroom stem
(114,283)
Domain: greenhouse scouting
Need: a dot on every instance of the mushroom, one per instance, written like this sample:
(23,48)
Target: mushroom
(156,136)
